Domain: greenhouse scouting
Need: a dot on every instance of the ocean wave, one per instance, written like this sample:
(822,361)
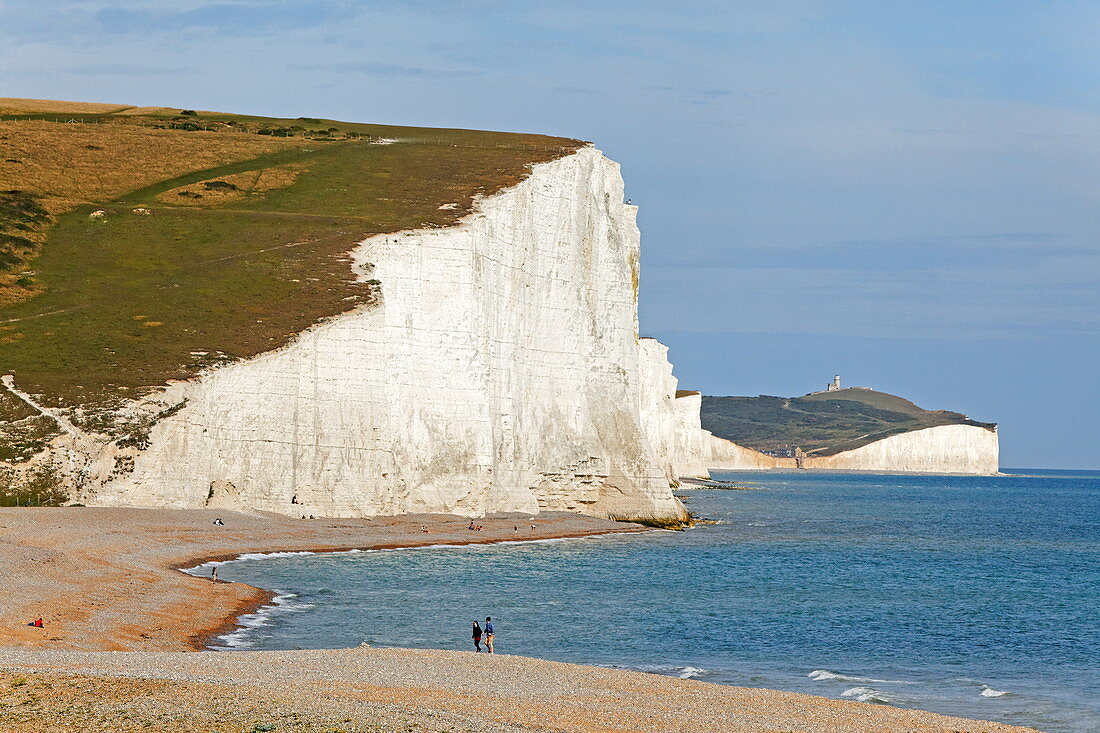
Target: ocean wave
(239,637)
(266,555)
(825,674)
(688,673)
(203,569)
(988,691)
(667,670)
(867,694)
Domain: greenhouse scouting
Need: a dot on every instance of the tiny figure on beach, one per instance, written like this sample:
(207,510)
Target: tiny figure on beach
(37,623)
(218,521)
(477,636)
(489,634)
(214,573)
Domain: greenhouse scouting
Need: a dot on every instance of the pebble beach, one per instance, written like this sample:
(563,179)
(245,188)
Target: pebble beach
(119,649)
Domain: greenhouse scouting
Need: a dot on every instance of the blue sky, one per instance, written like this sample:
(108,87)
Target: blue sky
(901,192)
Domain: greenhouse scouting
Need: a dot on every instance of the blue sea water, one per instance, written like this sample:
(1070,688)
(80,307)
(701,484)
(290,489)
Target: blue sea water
(973,596)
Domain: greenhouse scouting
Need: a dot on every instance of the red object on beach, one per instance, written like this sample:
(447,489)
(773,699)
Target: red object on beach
(37,624)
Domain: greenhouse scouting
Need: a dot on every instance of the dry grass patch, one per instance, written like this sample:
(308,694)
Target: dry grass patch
(98,162)
(151,111)
(232,188)
(14,105)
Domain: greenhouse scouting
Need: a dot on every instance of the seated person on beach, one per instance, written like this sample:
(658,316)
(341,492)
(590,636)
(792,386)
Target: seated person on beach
(36,623)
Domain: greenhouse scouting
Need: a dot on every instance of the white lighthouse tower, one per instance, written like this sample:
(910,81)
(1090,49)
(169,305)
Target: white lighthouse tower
(834,385)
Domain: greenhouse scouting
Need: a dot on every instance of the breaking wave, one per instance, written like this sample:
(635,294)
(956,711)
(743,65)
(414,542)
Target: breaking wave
(867,694)
(668,670)
(239,638)
(825,674)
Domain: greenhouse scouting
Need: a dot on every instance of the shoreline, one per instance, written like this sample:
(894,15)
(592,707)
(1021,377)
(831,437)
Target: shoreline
(201,641)
(110,580)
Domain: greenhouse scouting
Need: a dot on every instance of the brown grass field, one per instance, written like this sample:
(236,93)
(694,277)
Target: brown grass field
(15,105)
(75,163)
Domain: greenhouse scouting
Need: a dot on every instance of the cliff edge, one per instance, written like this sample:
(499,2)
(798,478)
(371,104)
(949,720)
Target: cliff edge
(498,372)
(487,363)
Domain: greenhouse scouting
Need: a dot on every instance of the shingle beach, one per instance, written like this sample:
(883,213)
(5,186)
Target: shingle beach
(121,624)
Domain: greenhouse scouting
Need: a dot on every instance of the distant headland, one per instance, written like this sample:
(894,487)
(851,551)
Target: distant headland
(855,428)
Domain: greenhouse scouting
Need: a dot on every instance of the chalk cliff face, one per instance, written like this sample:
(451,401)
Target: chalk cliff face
(943,449)
(725,455)
(670,422)
(500,372)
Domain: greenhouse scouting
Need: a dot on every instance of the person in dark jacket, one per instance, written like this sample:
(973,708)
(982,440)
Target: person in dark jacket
(477,636)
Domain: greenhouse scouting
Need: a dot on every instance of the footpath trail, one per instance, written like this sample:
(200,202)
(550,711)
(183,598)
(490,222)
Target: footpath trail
(107,579)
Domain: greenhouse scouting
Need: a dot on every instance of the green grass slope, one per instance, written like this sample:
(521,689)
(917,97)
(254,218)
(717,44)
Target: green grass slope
(222,237)
(823,423)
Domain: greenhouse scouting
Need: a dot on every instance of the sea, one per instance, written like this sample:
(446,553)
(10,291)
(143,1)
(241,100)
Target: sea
(970,596)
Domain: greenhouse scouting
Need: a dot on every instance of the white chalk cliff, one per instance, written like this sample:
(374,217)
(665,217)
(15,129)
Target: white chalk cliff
(499,372)
(943,449)
(686,450)
(671,423)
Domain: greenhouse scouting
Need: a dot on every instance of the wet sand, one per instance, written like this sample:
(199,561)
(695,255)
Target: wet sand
(108,579)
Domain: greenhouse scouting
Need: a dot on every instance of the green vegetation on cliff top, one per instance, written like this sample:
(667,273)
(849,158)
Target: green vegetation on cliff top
(823,423)
(143,245)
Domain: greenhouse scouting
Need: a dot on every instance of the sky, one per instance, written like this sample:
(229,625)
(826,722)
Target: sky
(904,193)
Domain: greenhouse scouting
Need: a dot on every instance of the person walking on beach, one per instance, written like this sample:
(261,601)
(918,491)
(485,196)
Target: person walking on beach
(489,634)
(477,636)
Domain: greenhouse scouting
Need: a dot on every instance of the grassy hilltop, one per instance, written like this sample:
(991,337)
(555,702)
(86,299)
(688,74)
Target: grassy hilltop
(140,245)
(823,423)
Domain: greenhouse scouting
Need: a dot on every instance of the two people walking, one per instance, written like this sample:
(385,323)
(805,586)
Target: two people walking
(487,632)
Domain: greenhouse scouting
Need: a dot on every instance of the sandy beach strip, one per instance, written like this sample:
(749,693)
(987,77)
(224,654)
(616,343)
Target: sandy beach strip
(108,579)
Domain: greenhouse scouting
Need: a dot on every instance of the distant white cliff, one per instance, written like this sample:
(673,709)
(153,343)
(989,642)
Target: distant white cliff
(671,420)
(500,372)
(943,449)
